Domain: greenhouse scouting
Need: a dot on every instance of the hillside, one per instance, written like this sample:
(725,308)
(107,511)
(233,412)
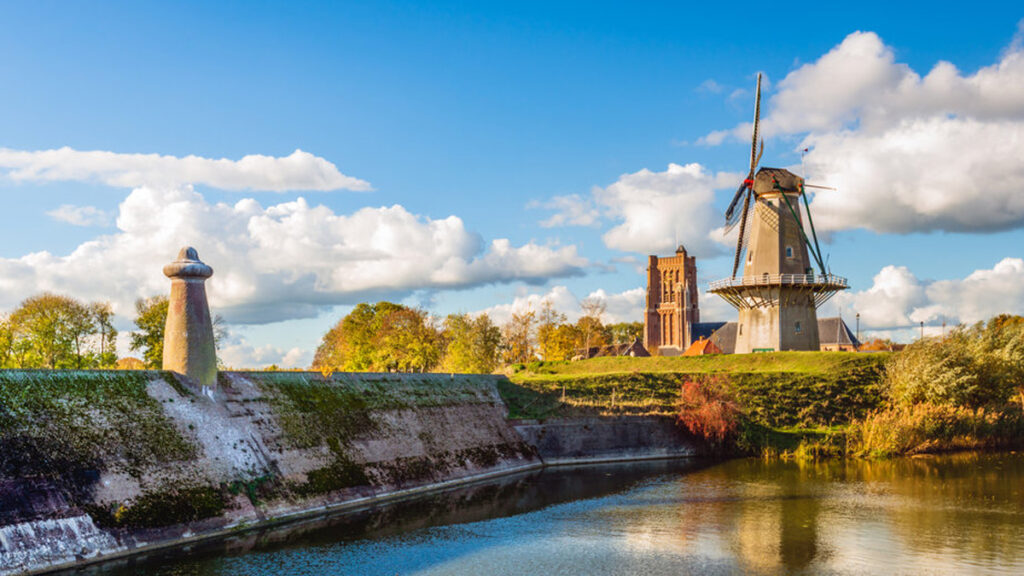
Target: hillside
(781,389)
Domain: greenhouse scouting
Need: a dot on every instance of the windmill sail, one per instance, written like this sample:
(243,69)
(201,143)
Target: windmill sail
(746,189)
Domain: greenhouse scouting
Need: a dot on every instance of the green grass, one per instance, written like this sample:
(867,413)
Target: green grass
(790,362)
(808,390)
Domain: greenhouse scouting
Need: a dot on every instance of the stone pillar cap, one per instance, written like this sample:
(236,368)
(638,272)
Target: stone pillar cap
(188,265)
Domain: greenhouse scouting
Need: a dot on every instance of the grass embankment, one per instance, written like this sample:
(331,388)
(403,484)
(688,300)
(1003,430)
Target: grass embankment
(936,396)
(787,398)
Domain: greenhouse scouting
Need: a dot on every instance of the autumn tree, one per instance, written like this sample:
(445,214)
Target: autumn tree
(548,322)
(380,337)
(518,336)
(471,344)
(407,341)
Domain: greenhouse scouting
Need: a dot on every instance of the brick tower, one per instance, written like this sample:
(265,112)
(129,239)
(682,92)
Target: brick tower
(672,306)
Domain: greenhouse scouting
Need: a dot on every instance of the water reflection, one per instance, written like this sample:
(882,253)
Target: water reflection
(952,514)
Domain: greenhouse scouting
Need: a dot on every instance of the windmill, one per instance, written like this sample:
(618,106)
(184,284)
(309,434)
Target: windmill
(779,292)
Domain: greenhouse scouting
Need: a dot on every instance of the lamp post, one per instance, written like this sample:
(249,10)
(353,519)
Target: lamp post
(922,329)
(858,326)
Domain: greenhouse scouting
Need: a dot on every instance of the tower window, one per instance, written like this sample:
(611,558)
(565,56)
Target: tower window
(741,330)
(798,328)
(789,251)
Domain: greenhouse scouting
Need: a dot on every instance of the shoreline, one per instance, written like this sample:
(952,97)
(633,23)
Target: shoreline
(346,507)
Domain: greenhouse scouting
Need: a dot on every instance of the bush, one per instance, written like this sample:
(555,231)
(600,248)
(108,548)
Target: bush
(976,366)
(708,410)
(925,428)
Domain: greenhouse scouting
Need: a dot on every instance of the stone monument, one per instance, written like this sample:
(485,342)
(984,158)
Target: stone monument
(188,336)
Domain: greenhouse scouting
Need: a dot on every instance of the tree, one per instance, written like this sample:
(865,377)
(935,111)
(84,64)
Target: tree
(408,341)
(106,339)
(150,319)
(6,341)
(518,335)
(548,323)
(380,337)
(53,331)
(591,332)
(624,332)
(471,344)
(561,344)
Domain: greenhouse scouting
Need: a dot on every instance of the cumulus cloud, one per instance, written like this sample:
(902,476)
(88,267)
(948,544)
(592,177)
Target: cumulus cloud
(651,211)
(80,215)
(656,211)
(898,299)
(907,152)
(297,171)
(287,260)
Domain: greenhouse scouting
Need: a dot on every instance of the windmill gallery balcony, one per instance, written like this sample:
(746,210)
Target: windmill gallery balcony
(766,290)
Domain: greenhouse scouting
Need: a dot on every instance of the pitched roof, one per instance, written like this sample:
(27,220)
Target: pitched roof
(832,331)
(701,347)
(725,337)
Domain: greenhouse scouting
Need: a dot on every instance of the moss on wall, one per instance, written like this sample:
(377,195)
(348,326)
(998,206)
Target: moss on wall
(163,508)
(71,424)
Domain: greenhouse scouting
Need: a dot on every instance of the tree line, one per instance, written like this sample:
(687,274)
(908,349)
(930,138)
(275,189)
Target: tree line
(52,331)
(386,336)
(55,332)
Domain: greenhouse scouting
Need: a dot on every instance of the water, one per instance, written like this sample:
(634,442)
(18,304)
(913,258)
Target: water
(957,514)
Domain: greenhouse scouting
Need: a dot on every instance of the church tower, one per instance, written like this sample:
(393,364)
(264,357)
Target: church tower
(672,306)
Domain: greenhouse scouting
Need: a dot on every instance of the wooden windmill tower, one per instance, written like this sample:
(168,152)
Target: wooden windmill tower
(779,292)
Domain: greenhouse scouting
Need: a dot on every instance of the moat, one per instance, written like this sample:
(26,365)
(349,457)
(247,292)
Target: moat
(953,514)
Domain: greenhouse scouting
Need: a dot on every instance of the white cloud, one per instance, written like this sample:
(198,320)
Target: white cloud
(898,300)
(287,260)
(571,210)
(298,171)
(656,211)
(651,212)
(907,152)
(239,354)
(80,215)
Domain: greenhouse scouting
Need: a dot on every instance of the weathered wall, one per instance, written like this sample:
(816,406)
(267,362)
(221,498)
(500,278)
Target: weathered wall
(99,463)
(606,439)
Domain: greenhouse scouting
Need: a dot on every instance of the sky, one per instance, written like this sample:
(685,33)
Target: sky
(469,157)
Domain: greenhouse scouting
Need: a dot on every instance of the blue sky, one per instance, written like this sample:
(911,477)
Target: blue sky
(487,113)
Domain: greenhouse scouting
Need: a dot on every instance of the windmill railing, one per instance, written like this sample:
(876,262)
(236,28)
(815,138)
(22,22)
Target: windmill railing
(818,280)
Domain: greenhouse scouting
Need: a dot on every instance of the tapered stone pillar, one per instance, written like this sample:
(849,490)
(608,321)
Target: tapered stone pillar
(188,337)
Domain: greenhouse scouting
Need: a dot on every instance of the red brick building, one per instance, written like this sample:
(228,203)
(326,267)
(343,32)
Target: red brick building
(672,307)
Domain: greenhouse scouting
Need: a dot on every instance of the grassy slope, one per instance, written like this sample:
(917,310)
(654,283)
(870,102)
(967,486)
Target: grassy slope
(778,390)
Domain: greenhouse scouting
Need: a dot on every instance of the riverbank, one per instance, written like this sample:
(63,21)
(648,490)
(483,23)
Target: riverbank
(791,405)
(96,465)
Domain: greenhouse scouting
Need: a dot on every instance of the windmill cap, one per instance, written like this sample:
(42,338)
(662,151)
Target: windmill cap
(188,265)
(769,180)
